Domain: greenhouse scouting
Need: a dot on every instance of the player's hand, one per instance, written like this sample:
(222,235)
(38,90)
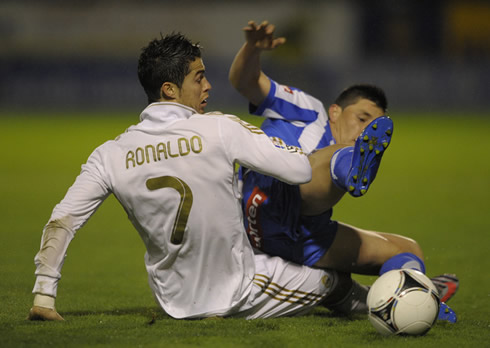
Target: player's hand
(262,36)
(42,313)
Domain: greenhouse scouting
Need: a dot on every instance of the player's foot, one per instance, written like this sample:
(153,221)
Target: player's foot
(368,150)
(446,313)
(447,285)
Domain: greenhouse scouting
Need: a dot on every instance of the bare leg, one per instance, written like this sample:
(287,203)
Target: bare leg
(355,250)
(320,194)
(355,168)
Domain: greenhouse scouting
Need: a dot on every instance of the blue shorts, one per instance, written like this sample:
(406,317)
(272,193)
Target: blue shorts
(274,224)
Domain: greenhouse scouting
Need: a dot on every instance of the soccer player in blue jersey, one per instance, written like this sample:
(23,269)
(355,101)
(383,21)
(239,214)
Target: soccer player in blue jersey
(345,147)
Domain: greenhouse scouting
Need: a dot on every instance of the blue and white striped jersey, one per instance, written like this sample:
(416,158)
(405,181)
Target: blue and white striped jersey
(296,117)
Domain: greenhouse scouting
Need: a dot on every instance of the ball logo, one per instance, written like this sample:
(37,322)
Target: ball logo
(254,231)
(327,281)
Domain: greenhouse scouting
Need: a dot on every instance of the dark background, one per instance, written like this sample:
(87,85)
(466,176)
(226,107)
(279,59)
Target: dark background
(429,56)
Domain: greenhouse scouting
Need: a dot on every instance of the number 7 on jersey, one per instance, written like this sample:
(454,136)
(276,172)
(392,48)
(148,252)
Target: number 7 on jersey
(185,203)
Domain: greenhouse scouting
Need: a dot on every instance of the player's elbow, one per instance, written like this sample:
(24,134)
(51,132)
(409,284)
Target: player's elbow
(238,79)
(243,85)
(234,79)
(300,174)
(306,173)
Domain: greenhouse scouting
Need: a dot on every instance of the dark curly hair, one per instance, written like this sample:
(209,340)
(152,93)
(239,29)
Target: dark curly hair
(165,60)
(352,94)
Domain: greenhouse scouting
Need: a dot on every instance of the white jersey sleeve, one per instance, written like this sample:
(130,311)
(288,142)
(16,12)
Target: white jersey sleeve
(252,148)
(80,202)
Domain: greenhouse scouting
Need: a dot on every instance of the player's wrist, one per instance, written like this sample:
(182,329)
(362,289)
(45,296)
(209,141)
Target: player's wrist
(252,48)
(44,301)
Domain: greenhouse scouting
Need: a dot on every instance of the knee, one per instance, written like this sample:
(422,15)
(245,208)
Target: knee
(408,245)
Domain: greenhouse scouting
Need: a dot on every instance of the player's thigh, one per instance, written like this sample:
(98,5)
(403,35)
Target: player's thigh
(362,251)
(283,288)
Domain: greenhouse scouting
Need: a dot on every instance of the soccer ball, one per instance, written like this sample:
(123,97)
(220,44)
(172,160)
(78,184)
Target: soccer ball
(403,301)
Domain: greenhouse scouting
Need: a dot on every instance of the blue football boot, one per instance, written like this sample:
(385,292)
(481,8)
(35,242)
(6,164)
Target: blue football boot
(368,151)
(446,313)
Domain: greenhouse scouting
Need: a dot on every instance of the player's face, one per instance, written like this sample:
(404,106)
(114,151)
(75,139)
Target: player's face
(195,88)
(348,123)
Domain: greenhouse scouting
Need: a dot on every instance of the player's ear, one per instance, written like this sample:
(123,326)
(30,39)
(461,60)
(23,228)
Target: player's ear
(169,90)
(334,112)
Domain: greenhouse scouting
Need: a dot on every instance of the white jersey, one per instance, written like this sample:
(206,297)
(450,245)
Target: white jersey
(174,175)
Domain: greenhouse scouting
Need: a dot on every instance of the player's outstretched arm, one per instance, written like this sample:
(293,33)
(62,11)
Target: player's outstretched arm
(245,73)
(43,309)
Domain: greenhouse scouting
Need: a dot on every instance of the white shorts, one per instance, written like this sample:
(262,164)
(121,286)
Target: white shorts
(282,288)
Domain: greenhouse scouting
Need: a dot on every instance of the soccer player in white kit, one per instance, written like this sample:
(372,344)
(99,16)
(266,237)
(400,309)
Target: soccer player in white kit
(174,174)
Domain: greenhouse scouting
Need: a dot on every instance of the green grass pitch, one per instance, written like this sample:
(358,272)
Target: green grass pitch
(433,186)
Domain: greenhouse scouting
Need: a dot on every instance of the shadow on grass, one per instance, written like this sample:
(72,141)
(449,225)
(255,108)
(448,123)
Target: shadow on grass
(152,313)
(323,312)
(155,313)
